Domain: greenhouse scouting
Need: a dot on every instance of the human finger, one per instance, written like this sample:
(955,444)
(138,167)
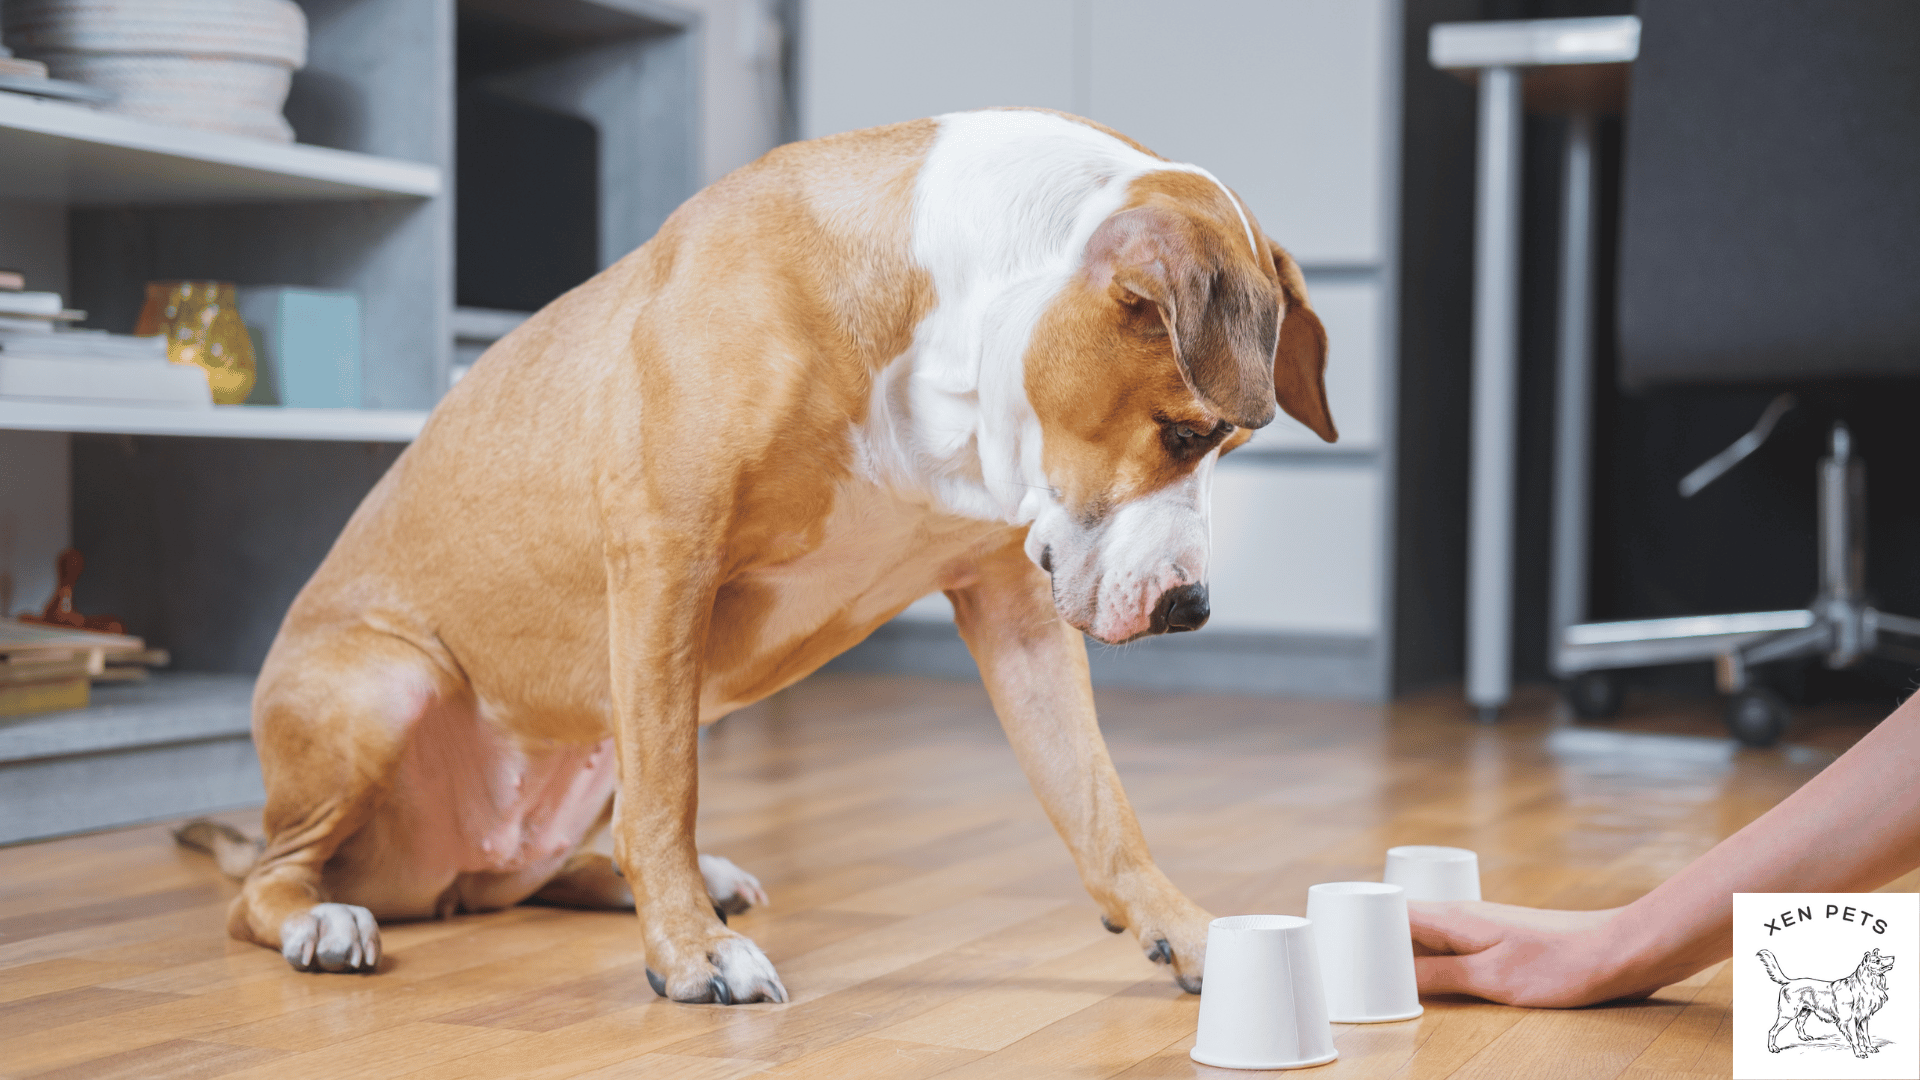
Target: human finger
(1450,975)
(1445,929)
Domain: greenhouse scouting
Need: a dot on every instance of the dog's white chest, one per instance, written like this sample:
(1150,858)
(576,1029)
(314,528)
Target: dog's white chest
(878,553)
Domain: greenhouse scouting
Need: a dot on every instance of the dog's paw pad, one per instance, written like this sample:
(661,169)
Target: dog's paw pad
(331,937)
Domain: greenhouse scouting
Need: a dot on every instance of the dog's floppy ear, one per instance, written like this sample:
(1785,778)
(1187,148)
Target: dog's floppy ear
(1300,363)
(1222,316)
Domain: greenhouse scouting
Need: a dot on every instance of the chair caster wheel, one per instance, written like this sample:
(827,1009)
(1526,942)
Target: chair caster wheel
(1593,695)
(1757,717)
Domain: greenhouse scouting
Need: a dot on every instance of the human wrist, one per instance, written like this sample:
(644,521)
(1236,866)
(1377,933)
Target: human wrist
(1638,951)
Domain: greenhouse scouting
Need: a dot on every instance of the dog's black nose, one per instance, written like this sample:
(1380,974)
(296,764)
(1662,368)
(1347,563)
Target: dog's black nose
(1184,608)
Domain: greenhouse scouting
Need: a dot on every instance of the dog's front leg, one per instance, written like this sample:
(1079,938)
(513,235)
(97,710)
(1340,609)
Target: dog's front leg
(659,606)
(1035,668)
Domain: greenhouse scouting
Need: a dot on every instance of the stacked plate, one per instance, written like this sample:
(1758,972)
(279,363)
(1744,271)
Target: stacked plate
(220,65)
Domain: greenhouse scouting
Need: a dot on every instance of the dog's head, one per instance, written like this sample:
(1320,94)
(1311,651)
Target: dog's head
(1875,963)
(1182,331)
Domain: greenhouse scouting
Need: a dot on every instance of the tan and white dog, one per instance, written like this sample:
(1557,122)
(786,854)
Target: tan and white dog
(994,353)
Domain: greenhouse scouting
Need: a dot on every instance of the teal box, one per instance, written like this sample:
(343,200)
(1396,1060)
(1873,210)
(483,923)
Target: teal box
(306,343)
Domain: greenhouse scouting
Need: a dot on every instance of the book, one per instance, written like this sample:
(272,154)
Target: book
(45,304)
(35,670)
(84,344)
(27,699)
(118,382)
(22,68)
(38,641)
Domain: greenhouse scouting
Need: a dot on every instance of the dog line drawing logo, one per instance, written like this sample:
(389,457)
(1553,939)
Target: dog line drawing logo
(1848,1004)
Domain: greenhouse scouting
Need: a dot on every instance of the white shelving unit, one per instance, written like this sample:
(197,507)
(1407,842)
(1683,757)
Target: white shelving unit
(200,525)
(225,421)
(176,744)
(75,155)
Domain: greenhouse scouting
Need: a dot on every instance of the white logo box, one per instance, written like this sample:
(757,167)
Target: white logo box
(1828,946)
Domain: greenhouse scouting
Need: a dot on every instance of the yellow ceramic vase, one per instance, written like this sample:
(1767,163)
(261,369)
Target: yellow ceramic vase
(203,328)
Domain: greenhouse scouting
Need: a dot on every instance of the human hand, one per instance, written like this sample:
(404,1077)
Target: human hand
(1519,956)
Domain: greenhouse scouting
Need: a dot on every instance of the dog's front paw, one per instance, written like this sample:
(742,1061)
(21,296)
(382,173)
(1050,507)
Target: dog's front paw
(731,889)
(729,970)
(331,937)
(1175,936)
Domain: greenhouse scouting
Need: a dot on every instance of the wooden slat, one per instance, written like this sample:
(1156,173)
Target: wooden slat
(179,1058)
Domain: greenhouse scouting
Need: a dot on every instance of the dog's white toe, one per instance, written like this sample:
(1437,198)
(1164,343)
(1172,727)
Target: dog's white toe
(747,973)
(736,972)
(331,937)
(732,889)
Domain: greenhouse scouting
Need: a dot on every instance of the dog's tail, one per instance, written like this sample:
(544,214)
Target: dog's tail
(232,849)
(1773,968)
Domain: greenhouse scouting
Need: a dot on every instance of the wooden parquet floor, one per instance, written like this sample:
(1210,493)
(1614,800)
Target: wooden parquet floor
(925,918)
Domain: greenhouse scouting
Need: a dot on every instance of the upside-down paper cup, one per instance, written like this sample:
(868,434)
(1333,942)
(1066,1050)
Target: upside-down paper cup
(1366,951)
(1434,873)
(1262,1005)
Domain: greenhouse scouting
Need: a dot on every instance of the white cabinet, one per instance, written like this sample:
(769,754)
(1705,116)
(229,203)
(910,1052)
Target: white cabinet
(1356,319)
(1296,548)
(872,62)
(1284,100)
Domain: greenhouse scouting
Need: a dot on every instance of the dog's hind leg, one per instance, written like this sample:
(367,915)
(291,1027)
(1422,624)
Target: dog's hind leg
(332,713)
(591,880)
(1786,1017)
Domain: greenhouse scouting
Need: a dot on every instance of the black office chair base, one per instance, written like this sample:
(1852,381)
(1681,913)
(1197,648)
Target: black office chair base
(1593,695)
(1838,625)
(1757,717)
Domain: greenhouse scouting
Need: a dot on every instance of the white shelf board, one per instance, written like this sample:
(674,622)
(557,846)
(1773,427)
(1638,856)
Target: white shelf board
(229,421)
(68,153)
(169,707)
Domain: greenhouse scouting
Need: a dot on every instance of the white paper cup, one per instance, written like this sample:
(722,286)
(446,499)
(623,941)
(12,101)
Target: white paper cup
(1434,873)
(1366,951)
(1262,1005)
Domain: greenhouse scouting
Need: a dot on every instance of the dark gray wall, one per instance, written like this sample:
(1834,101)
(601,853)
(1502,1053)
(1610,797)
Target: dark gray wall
(201,544)
(1436,334)
(1436,301)
(1747,543)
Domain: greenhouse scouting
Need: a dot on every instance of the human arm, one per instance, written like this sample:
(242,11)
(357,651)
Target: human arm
(1854,827)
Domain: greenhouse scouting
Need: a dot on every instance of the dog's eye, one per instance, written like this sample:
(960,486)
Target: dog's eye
(1186,441)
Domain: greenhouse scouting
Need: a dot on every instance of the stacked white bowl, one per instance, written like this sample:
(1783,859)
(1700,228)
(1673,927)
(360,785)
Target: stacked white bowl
(221,65)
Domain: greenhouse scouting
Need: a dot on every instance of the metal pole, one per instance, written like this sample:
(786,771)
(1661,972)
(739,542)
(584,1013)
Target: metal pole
(1573,439)
(1496,284)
